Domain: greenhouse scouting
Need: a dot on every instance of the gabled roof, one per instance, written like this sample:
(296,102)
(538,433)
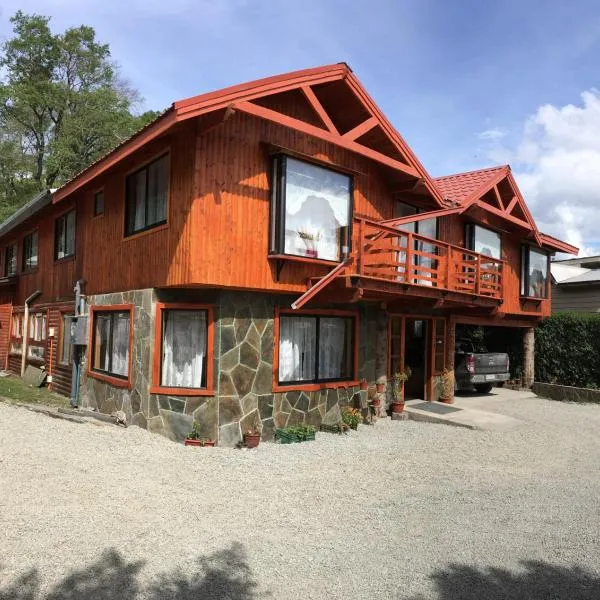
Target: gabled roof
(371,135)
(461,187)
(481,189)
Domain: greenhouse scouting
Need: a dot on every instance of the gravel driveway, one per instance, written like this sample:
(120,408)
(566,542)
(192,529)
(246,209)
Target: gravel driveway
(398,510)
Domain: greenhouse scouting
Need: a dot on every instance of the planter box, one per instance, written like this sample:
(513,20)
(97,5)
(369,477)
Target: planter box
(284,437)
(189,442)
(566,393)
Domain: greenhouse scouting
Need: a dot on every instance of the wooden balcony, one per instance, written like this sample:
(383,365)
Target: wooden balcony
(407,260)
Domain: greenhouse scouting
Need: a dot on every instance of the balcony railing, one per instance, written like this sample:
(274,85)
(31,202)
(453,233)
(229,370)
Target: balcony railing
(394,255)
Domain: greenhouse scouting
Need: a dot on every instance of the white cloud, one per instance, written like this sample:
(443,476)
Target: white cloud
(557,165)
(492,135)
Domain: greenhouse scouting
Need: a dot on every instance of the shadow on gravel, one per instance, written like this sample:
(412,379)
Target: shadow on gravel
(537,581)
(219,576)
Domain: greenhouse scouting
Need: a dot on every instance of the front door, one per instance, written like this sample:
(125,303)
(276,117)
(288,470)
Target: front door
(409,348)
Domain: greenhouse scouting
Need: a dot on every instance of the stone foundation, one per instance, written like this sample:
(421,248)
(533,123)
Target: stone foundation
(243,372)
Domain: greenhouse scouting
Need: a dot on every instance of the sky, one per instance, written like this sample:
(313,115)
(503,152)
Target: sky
(468,83)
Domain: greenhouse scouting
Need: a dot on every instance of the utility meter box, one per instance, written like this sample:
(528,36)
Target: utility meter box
(79,330)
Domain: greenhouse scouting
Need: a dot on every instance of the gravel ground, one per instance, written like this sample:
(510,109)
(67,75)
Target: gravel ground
(398,510)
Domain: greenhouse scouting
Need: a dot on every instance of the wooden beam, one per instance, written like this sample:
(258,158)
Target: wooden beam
(444,212)
(512,204)
(502,214)
(361,129)
(271,115)
(498,198)
(322,283)
(318,108)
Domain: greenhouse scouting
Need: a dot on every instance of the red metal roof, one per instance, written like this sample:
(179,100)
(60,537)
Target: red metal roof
(461,187)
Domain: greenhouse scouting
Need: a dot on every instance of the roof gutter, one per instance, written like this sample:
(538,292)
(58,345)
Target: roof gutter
(39,201)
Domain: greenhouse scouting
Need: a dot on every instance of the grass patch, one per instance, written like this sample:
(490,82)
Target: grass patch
(14,391)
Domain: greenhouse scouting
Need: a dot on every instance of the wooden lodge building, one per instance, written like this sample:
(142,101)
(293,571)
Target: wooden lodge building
(250,256)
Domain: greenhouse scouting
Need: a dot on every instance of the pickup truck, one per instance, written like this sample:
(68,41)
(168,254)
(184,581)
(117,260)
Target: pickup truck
(479,370)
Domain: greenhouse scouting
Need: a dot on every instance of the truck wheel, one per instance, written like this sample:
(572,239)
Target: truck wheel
(483,388)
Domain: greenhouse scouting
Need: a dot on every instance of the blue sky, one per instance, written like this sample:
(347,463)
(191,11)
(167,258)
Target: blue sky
(462,80)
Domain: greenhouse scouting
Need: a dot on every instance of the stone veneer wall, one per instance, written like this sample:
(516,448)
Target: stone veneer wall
(243,368)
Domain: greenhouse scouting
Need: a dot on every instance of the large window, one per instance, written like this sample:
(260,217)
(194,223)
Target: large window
(17,326)
(10,261)
(146,196)
(315,348)
(185,338)
(37,327)
(30,251)
(534,272)
(311,210)
(484,241)
(64,236)
(111,340)
(423,261)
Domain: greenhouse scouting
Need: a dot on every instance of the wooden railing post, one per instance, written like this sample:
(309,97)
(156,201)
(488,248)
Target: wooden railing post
(409,257)
(361,246)
(477,273)
(449,263)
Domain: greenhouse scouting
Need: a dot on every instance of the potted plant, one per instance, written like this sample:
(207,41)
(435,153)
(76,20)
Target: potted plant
(252,438)
(194,438)
(311,241)
(400,377)
(351,417)
(364,384)
(447,395)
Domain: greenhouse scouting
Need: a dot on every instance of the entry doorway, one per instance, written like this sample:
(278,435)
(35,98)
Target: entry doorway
(410,346)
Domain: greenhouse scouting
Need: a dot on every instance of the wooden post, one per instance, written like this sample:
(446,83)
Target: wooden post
(361,246)
(381,356)
(450,346)
(409,257)
(528,357)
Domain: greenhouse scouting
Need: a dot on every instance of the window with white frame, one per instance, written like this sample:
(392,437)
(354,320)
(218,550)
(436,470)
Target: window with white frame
(184,348)
(311,210)
(110,344)
(534,272)
(315,348)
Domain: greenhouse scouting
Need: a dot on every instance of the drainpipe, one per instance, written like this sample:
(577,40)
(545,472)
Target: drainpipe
(75,372)
(26,330)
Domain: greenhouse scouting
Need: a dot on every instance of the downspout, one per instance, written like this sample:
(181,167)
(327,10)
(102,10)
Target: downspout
(75,372)
(26,330)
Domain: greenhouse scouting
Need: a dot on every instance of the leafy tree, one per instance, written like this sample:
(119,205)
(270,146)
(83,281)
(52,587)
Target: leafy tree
(62,105)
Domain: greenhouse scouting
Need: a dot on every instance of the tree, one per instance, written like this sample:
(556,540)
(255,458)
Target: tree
(62,106)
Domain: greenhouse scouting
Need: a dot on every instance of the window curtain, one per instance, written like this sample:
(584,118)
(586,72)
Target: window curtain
(538,274)
(157,191)
(101,341)
(297,346)
(70,234)
(333,355)
(120,344)
(139,201)
(184,348)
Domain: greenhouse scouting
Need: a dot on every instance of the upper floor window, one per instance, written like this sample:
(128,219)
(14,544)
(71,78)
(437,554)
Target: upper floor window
(310,210)
(315,349)
(484,241)
(10,261)
(534,272)
(146,196)
(30,251)
(64,236)
(99,203)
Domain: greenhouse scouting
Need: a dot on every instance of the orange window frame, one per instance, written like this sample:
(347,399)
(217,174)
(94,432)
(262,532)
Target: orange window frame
(156,387)
(277,387)
(115,381)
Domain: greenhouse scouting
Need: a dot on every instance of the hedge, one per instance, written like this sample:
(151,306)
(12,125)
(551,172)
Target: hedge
(567,350)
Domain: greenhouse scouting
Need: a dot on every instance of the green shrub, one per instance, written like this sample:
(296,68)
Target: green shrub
(567,350)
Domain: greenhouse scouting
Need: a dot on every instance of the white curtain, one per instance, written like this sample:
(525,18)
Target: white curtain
(297,346)
(120,345)
(184,348)
(333,354)
(139,221)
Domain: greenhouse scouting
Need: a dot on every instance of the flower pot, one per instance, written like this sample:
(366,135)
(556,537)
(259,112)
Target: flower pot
(189,442)
(380,388)
(251,439)
(364,385)
(447,400)
(376,402)
(209,443)
(312,253)
(397,407)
